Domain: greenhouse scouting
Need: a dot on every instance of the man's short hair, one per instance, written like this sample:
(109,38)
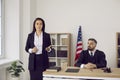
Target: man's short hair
(92,39)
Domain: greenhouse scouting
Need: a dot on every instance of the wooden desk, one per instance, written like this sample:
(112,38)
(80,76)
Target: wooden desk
(83,74)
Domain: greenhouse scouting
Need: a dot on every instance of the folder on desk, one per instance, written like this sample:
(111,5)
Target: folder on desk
(72,70)
(54,69)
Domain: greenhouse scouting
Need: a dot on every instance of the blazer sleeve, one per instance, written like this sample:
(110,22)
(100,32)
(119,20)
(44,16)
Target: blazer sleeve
(27,44)
(49,40)
(102,61)
(80,60)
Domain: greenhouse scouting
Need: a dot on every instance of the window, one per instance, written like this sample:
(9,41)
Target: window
(1,29)
(10,31)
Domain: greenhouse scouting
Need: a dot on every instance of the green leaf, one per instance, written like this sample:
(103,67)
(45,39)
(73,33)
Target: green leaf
(16,68)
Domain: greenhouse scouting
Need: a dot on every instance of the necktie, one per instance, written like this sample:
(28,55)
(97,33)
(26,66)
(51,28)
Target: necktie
(91,54)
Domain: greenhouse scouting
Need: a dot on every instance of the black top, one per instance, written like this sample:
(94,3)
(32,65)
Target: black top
(30,44)
(98,59)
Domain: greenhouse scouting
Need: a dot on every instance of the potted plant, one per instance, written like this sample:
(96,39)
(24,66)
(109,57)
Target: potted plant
(15,69)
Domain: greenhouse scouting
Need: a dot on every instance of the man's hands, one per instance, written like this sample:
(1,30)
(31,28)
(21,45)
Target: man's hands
(90,66)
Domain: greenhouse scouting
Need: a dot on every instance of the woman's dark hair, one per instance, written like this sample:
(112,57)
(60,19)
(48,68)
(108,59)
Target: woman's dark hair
(43,23)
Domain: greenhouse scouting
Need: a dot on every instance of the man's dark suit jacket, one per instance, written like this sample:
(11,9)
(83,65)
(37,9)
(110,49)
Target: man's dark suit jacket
(98,59)
(30,44)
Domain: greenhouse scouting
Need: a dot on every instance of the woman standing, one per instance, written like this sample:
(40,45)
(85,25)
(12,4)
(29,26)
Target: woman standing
(37,45)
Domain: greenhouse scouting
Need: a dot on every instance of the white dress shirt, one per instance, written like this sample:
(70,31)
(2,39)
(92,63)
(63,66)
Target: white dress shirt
(82,65)
(38,42)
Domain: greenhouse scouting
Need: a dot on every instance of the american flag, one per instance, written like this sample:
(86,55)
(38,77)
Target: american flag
(79,45)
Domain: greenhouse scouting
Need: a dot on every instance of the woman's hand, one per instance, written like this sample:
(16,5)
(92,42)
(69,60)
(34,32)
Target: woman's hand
(34,50)
(48,49)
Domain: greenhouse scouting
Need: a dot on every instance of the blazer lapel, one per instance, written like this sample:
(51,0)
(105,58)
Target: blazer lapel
(95,53)
(88,53)
(43,42)
(32,40)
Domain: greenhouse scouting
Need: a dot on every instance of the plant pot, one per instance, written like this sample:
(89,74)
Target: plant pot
(15,78)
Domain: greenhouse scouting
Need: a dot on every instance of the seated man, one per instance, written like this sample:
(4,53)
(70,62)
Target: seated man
(91,58)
